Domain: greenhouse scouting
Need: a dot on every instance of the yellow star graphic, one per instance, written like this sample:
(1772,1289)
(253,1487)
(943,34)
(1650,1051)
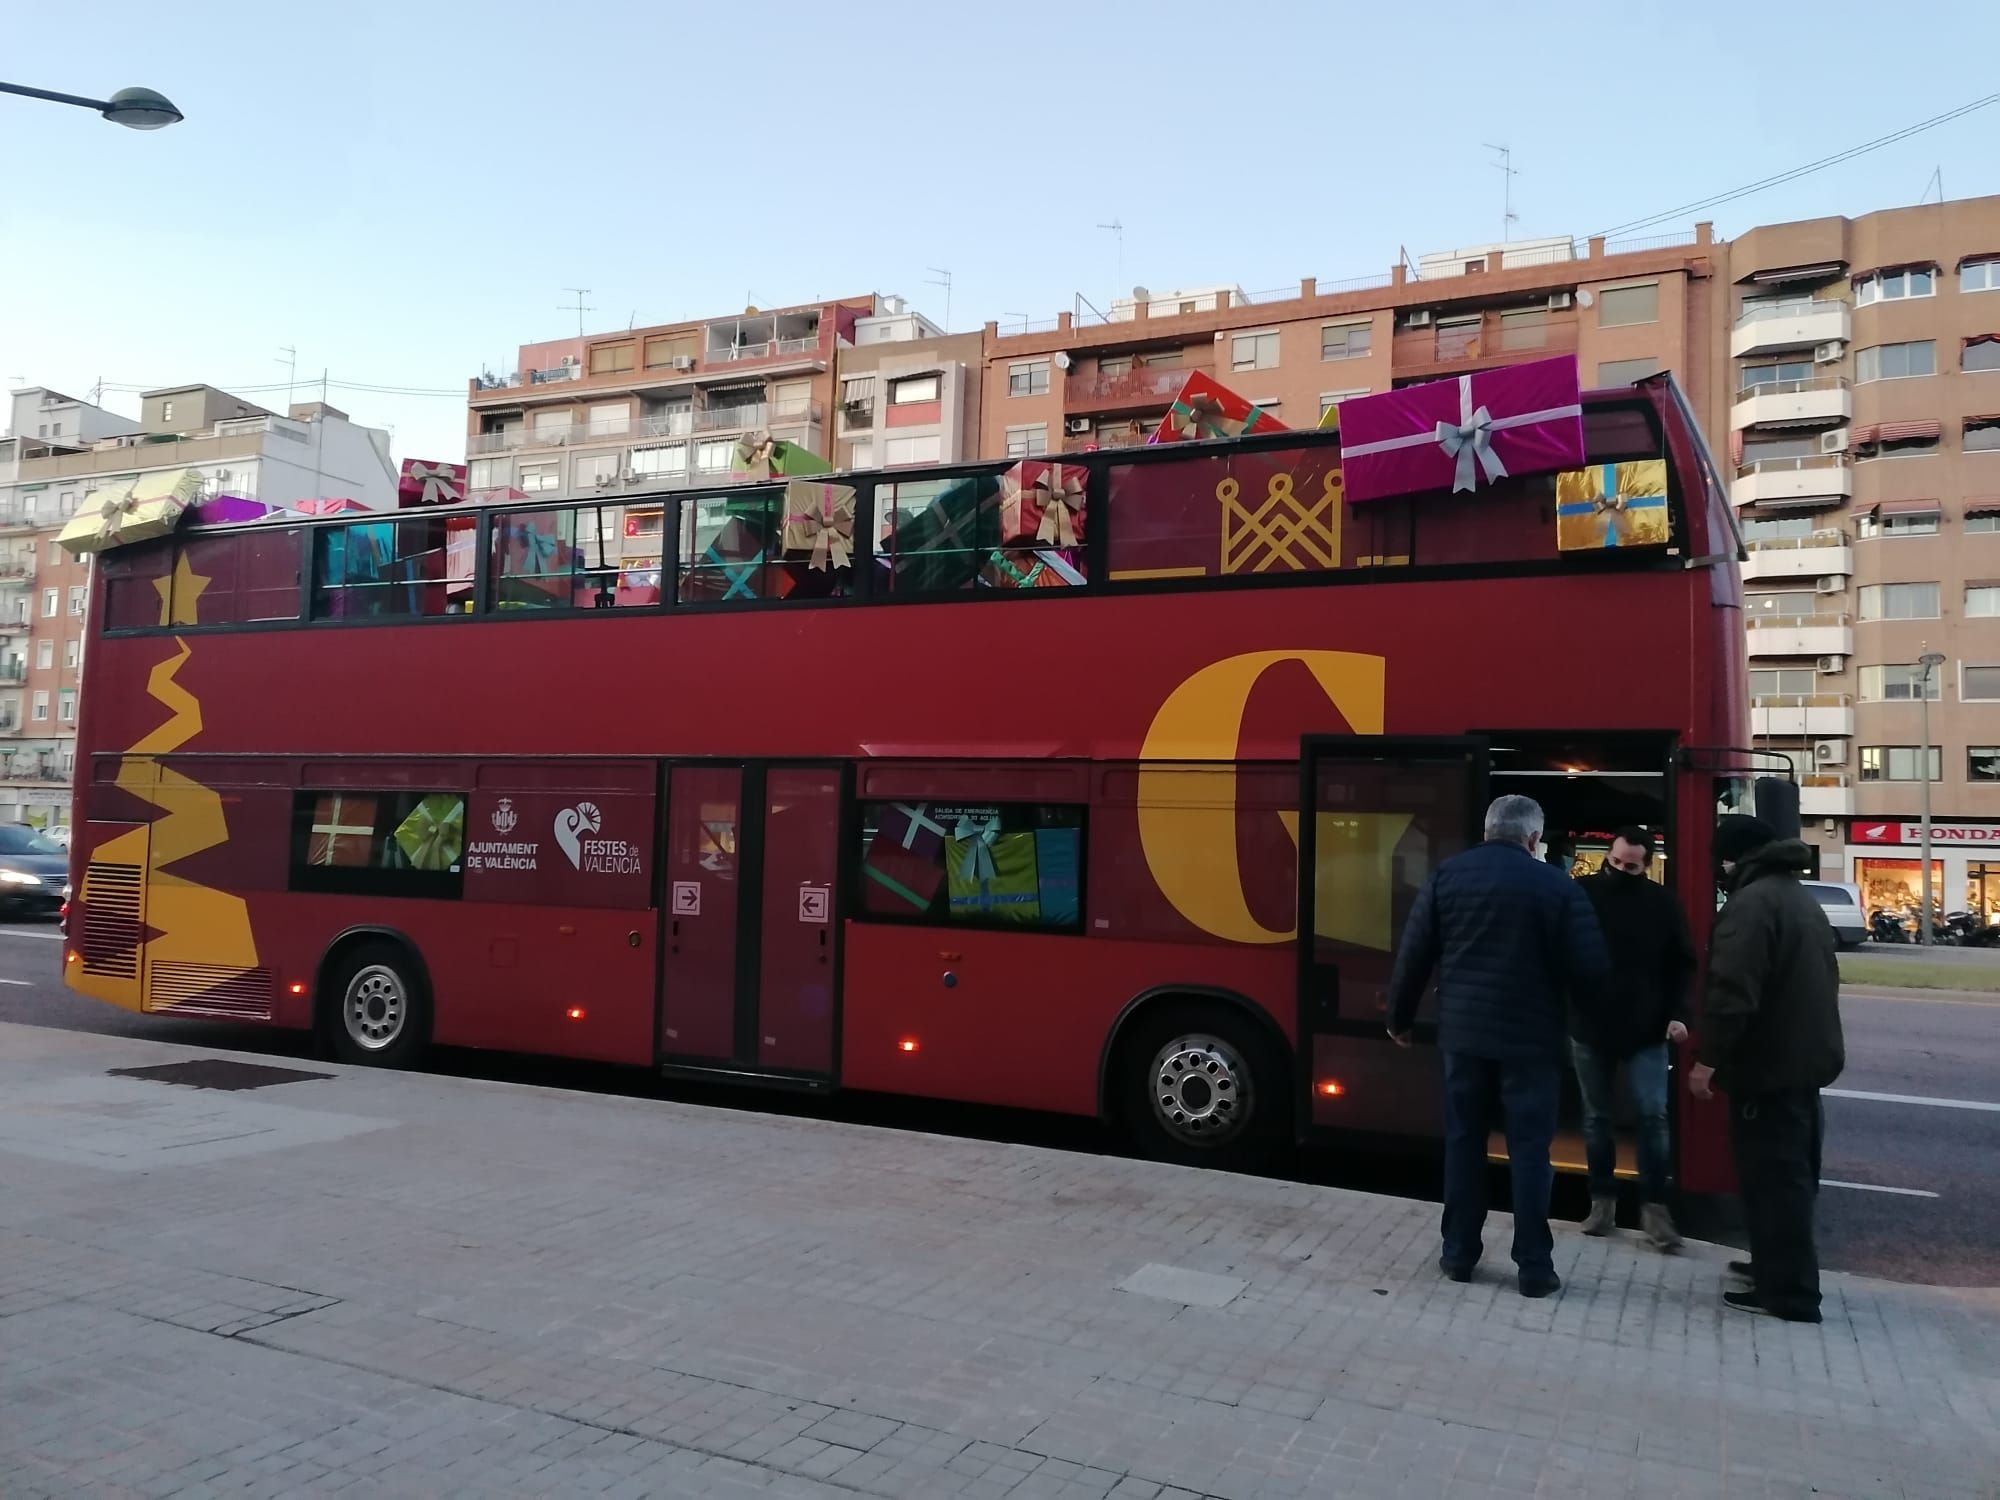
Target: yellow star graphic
(179,593)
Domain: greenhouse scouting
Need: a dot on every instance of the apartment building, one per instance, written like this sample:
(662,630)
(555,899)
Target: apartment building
(604,415)
(1863,420)
(909,392)
(1626,310)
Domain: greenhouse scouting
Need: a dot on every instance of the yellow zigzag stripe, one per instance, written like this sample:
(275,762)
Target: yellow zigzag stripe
(193,923)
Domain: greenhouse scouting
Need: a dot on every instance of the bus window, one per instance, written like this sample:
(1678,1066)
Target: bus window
(733,547)
(966,864)
(400,568)
(557,559)
(936,536)
(403,843)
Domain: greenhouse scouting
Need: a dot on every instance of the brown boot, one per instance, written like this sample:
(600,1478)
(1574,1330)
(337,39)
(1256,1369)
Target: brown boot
(1603,1216)
(1659,1226)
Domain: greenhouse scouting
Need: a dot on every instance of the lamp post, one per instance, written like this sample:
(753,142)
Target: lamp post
(136,109)
(1930,661)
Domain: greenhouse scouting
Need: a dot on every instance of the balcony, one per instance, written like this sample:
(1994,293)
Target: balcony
(760,417)
(1825,795)
(1792,325)
(1490,340)
(1795,715)
(13,673)
(1782,481)
(1151,386)
(1824,554)
(1793,403)
(1801,635)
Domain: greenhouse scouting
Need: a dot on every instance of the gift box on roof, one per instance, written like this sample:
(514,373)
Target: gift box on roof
(1205,408)
(1463,434)
(118,515)
(1612,505)
(731,566)
(324,507)
(1025,568)
(343,828)
(819,524)
(1042,503)
(991,874)
(224,510)
(427,482)
(761,456)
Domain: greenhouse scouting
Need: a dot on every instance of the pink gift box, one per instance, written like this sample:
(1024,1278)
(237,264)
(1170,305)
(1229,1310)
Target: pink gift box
(1462,433)
(424,482)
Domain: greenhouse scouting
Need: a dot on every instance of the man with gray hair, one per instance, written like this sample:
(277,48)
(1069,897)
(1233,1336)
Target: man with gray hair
(1509,938)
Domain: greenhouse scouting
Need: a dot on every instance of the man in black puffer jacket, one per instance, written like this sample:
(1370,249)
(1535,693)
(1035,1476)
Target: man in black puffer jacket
(1510,938)
(1771,1039)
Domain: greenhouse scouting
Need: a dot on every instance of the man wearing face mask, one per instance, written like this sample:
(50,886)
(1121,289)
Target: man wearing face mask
(1771,1040)
(1631,1021)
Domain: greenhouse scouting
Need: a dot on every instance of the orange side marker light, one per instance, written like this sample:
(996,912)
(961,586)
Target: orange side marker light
(1332,1088)
(575,1012)
(74,956)
(907,1044)
(298,989)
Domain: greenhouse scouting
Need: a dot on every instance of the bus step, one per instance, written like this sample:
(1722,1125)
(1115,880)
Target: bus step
(808,1083)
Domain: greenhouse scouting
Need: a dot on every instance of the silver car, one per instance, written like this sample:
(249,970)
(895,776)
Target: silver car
(1842,905)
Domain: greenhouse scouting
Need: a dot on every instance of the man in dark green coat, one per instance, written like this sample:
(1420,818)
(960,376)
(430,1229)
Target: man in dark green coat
(1770,1039)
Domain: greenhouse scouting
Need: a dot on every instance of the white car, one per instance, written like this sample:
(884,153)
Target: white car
(1842,905)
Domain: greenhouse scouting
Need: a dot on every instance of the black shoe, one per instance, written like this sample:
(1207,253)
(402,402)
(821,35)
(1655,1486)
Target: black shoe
(1751,1302)
(1539,1283)
(1742,1268)
(1453,1271)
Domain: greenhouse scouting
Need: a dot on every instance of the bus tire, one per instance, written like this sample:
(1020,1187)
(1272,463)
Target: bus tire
(1202,1086)
(376,1009)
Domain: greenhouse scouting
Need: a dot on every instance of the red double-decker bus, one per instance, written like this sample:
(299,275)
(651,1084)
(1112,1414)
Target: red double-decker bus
(941,802)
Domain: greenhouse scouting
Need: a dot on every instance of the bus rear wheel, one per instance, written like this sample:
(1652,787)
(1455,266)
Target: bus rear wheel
(376,1009)
(1202,1087)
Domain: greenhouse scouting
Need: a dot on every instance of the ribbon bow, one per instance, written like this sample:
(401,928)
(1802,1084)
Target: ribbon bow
(826,513)
(1060,492)
(755,452)
(538,547)
(113,513)
(978,839)
(1197,409)
(440,482)
(1470,441)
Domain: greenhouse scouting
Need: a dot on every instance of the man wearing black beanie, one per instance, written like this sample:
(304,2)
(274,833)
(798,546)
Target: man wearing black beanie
(1771,1040)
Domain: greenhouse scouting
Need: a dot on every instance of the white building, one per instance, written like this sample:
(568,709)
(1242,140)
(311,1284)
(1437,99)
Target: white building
(1171,304)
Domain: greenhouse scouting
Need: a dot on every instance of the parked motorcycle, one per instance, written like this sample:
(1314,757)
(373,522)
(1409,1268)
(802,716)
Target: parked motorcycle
(1887,927)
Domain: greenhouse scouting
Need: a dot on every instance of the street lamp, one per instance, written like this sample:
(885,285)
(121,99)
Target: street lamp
(136,109)
(1930,661)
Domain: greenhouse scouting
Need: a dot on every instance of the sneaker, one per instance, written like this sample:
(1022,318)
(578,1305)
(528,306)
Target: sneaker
(1454,1271)
(1603,1216)
(1539,1283)
(1751,1302)
(1659,1226)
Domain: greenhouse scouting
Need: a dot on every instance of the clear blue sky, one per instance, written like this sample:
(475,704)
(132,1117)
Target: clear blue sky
(402,191)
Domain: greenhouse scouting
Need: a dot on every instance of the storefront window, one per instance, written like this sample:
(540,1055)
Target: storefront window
(1896,885)
(1982,891)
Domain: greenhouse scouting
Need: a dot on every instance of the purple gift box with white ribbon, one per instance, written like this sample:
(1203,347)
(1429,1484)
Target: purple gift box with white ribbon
(1464,433)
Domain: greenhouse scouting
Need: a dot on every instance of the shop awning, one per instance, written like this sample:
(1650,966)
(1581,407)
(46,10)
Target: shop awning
(1891,432)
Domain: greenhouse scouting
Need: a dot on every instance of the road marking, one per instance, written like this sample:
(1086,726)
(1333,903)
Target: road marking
(1876,1187)
(1978,1104)
(23,982)
(41,937)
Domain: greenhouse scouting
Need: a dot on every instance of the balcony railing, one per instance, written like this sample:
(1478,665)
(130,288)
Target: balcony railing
(1150,384)
(1829,538)
(13,671)
(1789,310)
(1797,622)
(1493,337)
(1835,461)
(1793,387)
(1802,700)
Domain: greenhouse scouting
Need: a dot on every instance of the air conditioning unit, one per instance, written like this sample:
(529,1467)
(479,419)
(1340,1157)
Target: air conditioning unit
(1829,752)
(683,363)
(1827,353)
(1830,586)
(1421,318)
(1076,425)
(1833,441)
(570,361)
(1561,301)
(1832,664)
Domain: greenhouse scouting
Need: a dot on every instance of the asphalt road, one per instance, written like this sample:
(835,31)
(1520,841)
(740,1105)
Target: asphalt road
(1914,1187)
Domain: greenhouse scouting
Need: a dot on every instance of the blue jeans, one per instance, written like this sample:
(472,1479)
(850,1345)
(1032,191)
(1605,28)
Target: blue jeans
(1525,1093)
(1597,1078)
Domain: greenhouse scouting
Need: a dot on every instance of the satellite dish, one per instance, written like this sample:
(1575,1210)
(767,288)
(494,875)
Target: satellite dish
(1585,296)
(1062,360)
(1140,294)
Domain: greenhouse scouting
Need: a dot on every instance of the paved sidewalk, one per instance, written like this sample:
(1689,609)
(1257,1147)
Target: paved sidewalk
(384,1284)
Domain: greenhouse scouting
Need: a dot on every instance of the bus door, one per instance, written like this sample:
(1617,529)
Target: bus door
(749,960)
(1378,816)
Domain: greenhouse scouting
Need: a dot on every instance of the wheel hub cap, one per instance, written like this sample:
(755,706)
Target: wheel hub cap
(375,1008)
(1200,1090)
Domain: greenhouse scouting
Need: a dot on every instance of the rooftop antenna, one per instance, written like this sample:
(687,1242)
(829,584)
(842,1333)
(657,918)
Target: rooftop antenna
(1505,166)
(291,364)
(578,292)
(1022,316)
(1118,233)
(941,277)
(1937,181)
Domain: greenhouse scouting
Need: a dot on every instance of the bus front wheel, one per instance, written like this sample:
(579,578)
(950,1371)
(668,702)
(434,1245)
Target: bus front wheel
(376,1009)
(1202,1087)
